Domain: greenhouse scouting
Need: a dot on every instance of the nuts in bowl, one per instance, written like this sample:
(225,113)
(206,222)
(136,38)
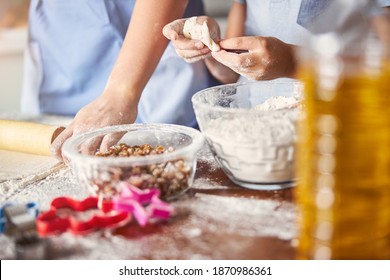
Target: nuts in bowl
(161,156)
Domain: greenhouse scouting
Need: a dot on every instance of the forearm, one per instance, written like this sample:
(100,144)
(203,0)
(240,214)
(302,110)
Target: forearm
(235,28)
(292,67)
(236,21)
(143,46)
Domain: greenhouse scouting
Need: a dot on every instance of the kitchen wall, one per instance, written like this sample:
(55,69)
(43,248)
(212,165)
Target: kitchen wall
(13,39)
(218,9)
(12,44)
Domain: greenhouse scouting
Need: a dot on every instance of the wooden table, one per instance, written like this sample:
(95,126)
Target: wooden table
(215,219)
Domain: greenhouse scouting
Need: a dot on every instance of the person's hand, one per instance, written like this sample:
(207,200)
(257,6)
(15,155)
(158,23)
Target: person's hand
(106,110)
(264,58)
(189,49)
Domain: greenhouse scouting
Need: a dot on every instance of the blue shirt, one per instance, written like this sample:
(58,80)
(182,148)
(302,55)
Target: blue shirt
(73,46)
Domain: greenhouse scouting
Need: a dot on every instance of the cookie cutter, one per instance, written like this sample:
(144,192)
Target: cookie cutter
(143,204)
(17,221)
(52,222)
(18,215)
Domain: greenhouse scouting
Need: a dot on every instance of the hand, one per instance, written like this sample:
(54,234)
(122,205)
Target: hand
(106,110)
(267,57)
(189,49)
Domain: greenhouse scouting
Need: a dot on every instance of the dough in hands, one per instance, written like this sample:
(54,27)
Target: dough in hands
(194,30)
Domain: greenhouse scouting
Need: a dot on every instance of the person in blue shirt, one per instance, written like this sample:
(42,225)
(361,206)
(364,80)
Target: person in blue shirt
(107,63)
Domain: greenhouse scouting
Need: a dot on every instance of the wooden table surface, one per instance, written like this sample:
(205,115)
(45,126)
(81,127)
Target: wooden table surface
(215,219)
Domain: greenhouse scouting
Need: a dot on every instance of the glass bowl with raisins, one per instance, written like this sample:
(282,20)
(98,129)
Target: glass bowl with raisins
(161,156)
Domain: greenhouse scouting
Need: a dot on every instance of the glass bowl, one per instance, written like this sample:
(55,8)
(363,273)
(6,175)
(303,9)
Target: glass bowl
(171,171)
(255,147)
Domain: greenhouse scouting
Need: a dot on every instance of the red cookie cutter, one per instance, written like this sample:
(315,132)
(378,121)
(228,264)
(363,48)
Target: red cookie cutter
(50,222)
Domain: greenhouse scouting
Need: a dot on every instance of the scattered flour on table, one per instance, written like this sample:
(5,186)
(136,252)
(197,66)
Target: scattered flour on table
(186,235)
(241,218)
(206,156)
(249,217)
(61,183)
(17,165)
(206,183)
(15,185)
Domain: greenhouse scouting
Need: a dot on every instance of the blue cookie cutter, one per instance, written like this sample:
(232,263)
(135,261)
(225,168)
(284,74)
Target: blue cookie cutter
(31,207)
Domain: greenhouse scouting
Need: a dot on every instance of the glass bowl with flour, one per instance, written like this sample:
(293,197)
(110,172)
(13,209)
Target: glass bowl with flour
(251,130)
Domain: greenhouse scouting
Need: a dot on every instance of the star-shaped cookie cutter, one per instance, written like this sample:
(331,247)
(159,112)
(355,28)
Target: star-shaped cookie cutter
(143,204)
(51,222)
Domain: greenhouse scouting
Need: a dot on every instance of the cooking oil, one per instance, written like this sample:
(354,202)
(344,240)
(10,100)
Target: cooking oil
(344,167)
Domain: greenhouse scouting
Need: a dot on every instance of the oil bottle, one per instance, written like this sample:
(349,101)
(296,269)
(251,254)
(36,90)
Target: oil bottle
(343,192)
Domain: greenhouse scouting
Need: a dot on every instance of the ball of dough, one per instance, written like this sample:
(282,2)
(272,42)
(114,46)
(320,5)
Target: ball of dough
(194,30)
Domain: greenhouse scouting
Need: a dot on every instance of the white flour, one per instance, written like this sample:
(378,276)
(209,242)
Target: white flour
(276,102)
(255,146)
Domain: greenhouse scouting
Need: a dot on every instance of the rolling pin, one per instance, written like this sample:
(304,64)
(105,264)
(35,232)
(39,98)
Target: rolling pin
(28,137)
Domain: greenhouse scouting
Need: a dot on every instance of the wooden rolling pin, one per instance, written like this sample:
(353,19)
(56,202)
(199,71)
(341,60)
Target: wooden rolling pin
(27,137)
